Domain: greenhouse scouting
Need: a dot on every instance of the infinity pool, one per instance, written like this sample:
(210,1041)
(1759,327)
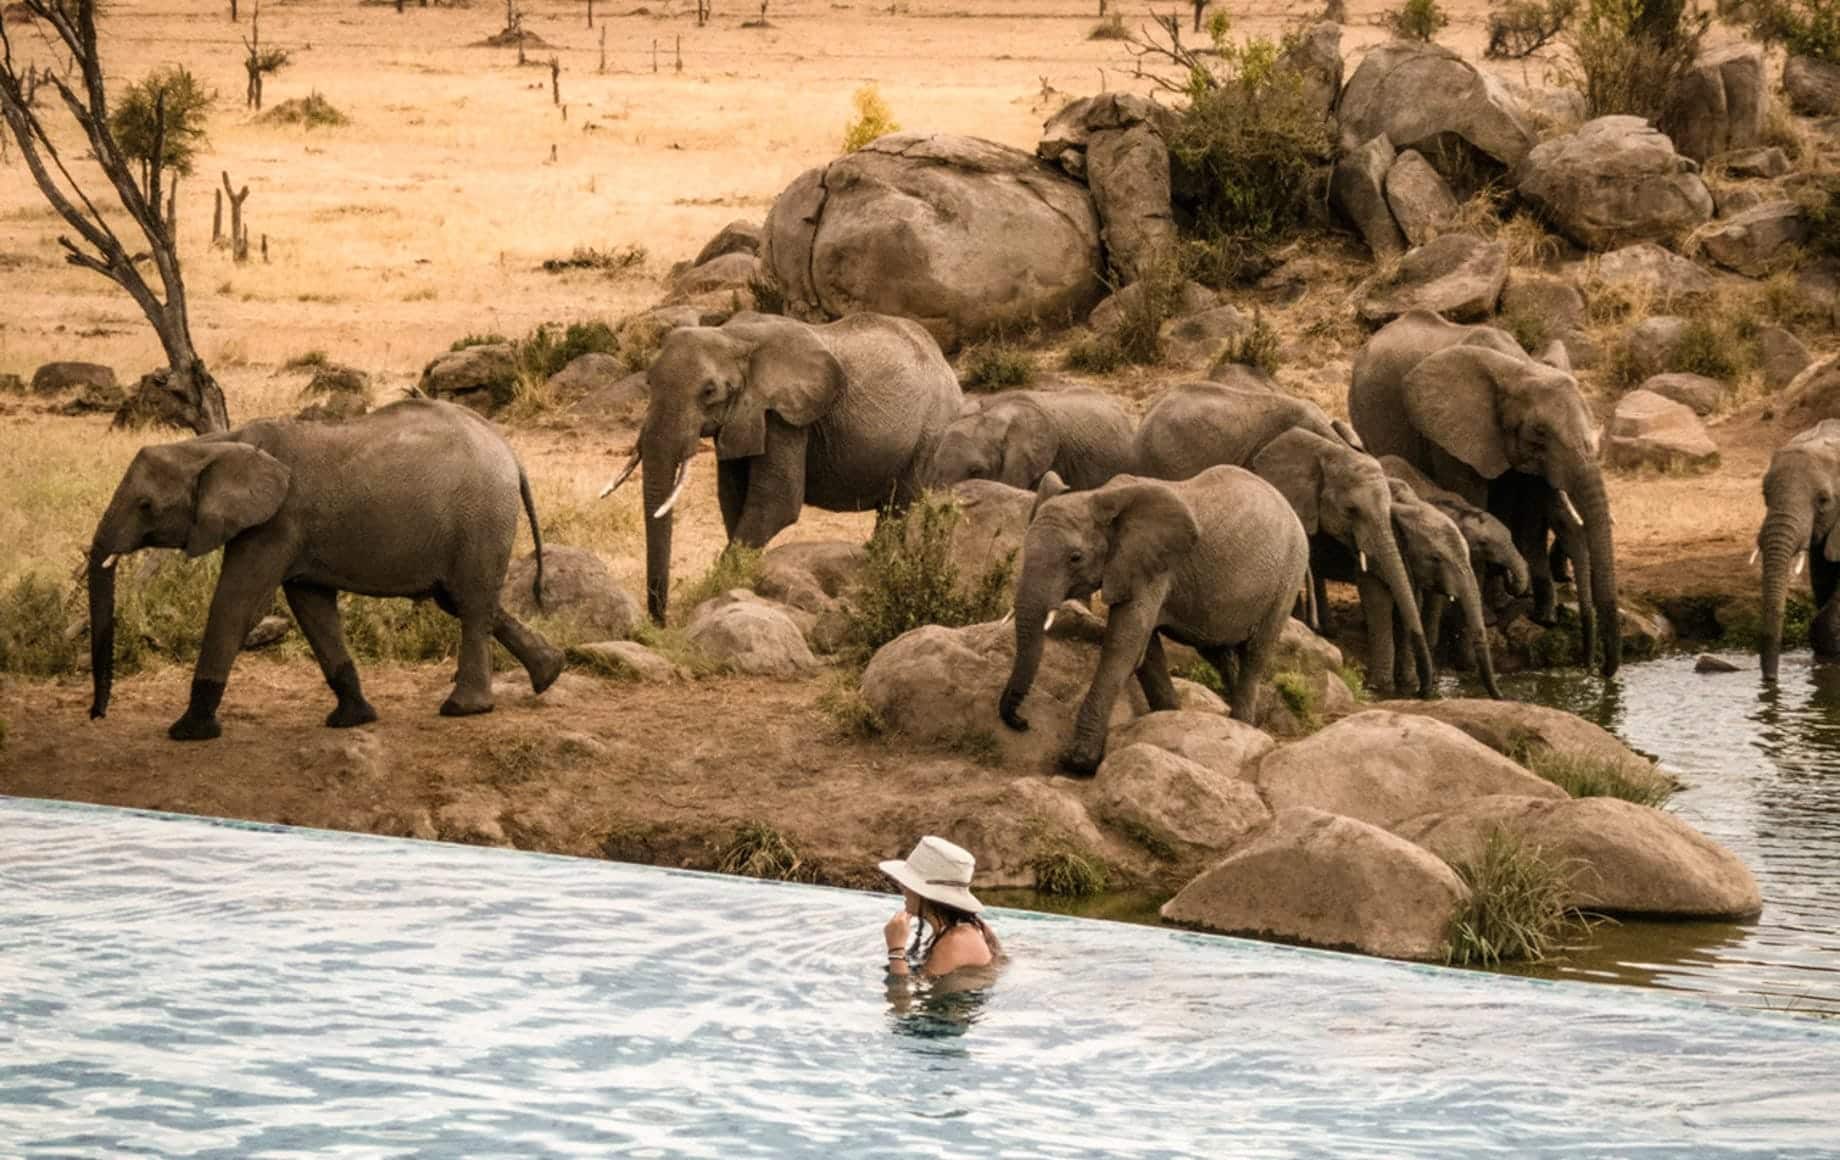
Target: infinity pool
(177,987)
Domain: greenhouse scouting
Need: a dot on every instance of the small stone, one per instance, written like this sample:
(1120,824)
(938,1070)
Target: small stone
(1707,663)
(1457,275)
(55,377)
(1769,161)
(627,660)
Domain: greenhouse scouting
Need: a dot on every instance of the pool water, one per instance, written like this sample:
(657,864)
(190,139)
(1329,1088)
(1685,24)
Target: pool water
(179,987)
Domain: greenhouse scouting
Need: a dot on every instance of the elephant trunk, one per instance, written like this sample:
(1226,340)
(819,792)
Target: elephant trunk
(1035,598)
(1469,596)
(661,466)
(101,629)
(1593,503)
(1784,535)
(1384,558)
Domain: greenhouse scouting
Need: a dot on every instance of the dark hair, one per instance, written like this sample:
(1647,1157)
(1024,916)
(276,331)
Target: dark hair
(943,918)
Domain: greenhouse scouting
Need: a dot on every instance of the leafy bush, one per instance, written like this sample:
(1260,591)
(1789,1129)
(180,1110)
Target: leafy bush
(1714,348)
(1520,28)
(1094,354)
(1415,20)
(910,579)
(1803,27)
(843,702)
(996,366)
(1516,910)
(1063,871)
(310,360)
(873,119)
(310,112)
(758,850)
(1631,55)
(479,340)
(737,567)
(36,637)
(392,629)
(1293,688)
(550,348)
(1205,675)
(137,123)
(1258,346)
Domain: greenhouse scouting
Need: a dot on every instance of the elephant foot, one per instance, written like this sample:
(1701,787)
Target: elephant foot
(1080,763)
(546,668)
(189,728)
(454,706)
(350,713)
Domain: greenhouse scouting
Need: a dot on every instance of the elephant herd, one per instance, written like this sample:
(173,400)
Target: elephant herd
(1467,463)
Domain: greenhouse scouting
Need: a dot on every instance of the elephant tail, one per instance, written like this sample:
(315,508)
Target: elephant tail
(536,535)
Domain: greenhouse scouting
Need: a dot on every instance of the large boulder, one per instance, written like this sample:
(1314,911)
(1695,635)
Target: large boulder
(593,373)
(1614,181)
(1663,274)
(1357,188)
(745,634)
(992,519)
(1114,309)
(1148,788)
(1067,135)
(965,236)
(1719,105)
(1384,767)
(1012,825)
(1316,58)
(1755,242)
(737,237)
(809,575)
(1128,173)
(1419,197)
(734,271)
(1425,97)
(1227,747)
(1652,346)
(1315,878)
(1813,395)
(1813,86)
(1648,430)
(483,376)
(1457,275)
(576,588)
(56,377)
(1622,858)
(938,685)
(1521,729)
(1780,356)
(1696,392)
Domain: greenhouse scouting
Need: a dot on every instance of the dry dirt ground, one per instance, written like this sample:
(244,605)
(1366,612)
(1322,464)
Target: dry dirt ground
(427,218)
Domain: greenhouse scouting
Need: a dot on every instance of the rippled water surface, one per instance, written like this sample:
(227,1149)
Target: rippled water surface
(176,987)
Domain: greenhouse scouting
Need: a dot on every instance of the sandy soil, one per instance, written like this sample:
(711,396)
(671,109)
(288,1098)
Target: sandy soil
(427,218)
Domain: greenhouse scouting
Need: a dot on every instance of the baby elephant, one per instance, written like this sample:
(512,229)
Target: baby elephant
(1017,437)
(419,498)
(1214,562)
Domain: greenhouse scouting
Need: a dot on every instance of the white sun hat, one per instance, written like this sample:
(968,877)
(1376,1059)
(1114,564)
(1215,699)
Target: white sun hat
(938,871)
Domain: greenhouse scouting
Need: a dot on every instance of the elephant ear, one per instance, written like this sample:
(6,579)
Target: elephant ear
(1051,485)
(1292,463)
(1028,451)
(238,487)
(1150,529)
(1451,400)
(1832,551)
(791,373)
(1348,434)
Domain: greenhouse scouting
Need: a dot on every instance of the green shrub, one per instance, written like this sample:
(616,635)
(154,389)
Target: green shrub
(479,340)
(307,361)
(1062,871)
(673,644)
(311,112)
(737,567)
(620,260)
(1151,838)
(1520,28)
(910,578)
(1516,910)
(1415,20)
(379,628)
(168,105)
(1205,675)
(758,850)
(1294,690)
(1583,776)
(1629,56)
(550,347)
(1803,27)
(36,629)
(1249,156)
(1258,346)
(1355,677)
(1529,329)
(997,366)
(873,119)
(161,607)
(1741,623)
(843,702)
(1094,354)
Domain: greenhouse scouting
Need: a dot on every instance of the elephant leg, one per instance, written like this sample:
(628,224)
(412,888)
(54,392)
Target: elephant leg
(316,610)
(1377,610)
(1319,596)
(1254,658)
(1530,540)
(775,486)
(473,687)
(246,588)
(1824,633)
(1153,676)
(1402,651)
(1569,543)
(1226,662)
(542,660)
(731,492)
(1127,634)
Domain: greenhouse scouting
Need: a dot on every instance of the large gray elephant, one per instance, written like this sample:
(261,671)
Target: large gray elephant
(1438,559)
(419,499)
(1214,562)
(1801,492)
(843,417)
(1017,437)
(1491,545)
(1339,492)
(1468,407)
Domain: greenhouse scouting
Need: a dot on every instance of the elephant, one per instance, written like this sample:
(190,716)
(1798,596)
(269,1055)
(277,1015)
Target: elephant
(1491,545)
(1468,407)
(1338,491)
(1214,562)
(1017,437)
(842,416)
(1801,494)
(418,499)
(1438,559)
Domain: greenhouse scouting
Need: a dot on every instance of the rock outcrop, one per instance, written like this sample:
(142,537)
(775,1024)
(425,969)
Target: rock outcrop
(1648,430)
(1719,105)
(576,587)
(1612,182)
(1160,793)
(1425,97)
(745,634)
(1457,275)
(1754,242)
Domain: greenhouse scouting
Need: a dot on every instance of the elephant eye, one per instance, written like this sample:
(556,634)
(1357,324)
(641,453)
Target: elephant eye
(1076,557)
(711,392)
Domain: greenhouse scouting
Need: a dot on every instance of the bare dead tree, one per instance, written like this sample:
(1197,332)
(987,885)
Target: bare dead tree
(1200,6)
(555,81)
(197,400)
(603,67)
(704,10)
(239,233)
(1145,46)
(680,52)
(260,61)
(233,11)
(590,13)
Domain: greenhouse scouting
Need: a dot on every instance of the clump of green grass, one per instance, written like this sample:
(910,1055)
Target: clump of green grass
(673,644)
(313,111)
(997,366)
(1063,871)
(910,578)
(849,711)
(639,343)
(514,762)
(1583,776)
(1414,20)
(1714,348)
(478,340)
(737,567)
(1355,677)
(1516,910)
(1258,346)
(873,119)
(552,346)
(628,259)
(306,361)
(1203,674)
(758,850)
(161,609)
(1094,354)
(1741,623)
(35,628)
(977,745)
(1111,28)
(1293,688)
(1529,329)
(1152,839)
(392,629)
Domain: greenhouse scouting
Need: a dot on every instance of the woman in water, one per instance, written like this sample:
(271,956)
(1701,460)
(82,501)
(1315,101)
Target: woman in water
(936,882)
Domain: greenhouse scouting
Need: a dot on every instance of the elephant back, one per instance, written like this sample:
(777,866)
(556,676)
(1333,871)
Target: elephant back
(900,394)
(1195,426)
(1376,391)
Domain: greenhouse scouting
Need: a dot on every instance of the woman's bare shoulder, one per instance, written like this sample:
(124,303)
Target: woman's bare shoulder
(962,946)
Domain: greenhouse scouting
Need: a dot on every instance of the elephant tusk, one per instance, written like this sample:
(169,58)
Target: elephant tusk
(1570,508)
(1363,560)
(1801,561)
(670,501)
(625,473)
(1753,560)
(1048,624)
(108,562)
(1008,616)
